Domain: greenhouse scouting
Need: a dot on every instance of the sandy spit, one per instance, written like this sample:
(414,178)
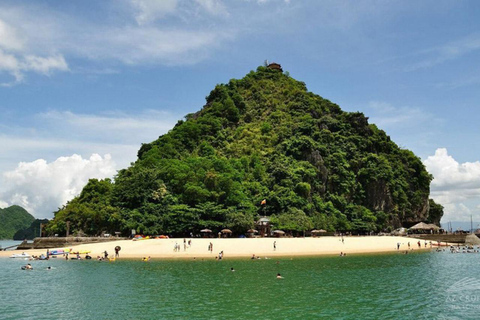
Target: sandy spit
(246,247)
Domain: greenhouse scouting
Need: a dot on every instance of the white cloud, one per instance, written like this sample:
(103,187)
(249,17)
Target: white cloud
(214,7)
(456,186)
(17,65)
(386,114)
(41,187)
(265,1)
(149,45)
(9,38)
(45,65)
(459,83)
(15,59)
(3,204)
(42,40)
(147,11)
(446,52)
(112,127)
(449,174)
(10,64)
(57,133)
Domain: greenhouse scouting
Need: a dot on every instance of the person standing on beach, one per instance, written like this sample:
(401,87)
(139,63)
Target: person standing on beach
(274,245)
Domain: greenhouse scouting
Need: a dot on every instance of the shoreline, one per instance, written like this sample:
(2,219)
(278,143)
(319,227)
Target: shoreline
(243,247)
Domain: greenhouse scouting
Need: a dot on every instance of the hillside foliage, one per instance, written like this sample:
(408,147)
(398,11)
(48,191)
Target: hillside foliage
(261,137)
(13,219)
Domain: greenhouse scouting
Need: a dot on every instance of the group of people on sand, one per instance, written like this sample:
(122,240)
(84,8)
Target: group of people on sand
(186,245)
(419,244)
(77,256)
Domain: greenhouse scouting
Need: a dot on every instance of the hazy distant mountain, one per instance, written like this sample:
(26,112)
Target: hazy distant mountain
(13,219)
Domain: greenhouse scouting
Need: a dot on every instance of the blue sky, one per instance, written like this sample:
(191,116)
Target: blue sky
(84,83)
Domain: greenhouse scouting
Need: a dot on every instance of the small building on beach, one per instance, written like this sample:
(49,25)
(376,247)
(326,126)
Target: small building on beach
(422,227)
(264,227)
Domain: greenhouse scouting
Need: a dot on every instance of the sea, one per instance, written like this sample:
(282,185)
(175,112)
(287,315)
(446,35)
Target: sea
(430,285)
(8,243)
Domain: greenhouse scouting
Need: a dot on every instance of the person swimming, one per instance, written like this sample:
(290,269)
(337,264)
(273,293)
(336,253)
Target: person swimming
(279,276)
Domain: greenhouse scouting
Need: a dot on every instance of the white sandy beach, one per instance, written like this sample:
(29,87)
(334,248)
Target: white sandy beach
(237,247)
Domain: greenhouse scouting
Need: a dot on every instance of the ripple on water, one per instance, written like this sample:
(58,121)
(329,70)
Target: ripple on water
(373,286)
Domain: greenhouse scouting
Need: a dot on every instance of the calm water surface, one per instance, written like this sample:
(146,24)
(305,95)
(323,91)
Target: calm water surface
(7,243)
(393,286)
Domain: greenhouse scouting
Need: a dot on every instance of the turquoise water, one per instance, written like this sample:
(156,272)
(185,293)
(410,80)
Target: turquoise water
(392,286)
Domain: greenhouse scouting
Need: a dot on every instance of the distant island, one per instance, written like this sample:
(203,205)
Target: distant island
(262,145)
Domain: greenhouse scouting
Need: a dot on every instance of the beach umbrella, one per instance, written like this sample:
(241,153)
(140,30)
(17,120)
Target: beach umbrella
(319,231)
(279,232)
(226,231)
(420,226)
(206,230)
(252,231)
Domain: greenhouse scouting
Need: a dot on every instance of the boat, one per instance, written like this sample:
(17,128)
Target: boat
(22,255)
(80,252)
(59,252)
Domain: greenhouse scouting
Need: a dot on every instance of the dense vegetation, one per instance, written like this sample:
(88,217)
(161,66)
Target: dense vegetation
(12,219)
(261,137)
(31,232)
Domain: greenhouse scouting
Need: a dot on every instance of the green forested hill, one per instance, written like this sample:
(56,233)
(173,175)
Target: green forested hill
(30,232)
(12,219)
(261,137)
